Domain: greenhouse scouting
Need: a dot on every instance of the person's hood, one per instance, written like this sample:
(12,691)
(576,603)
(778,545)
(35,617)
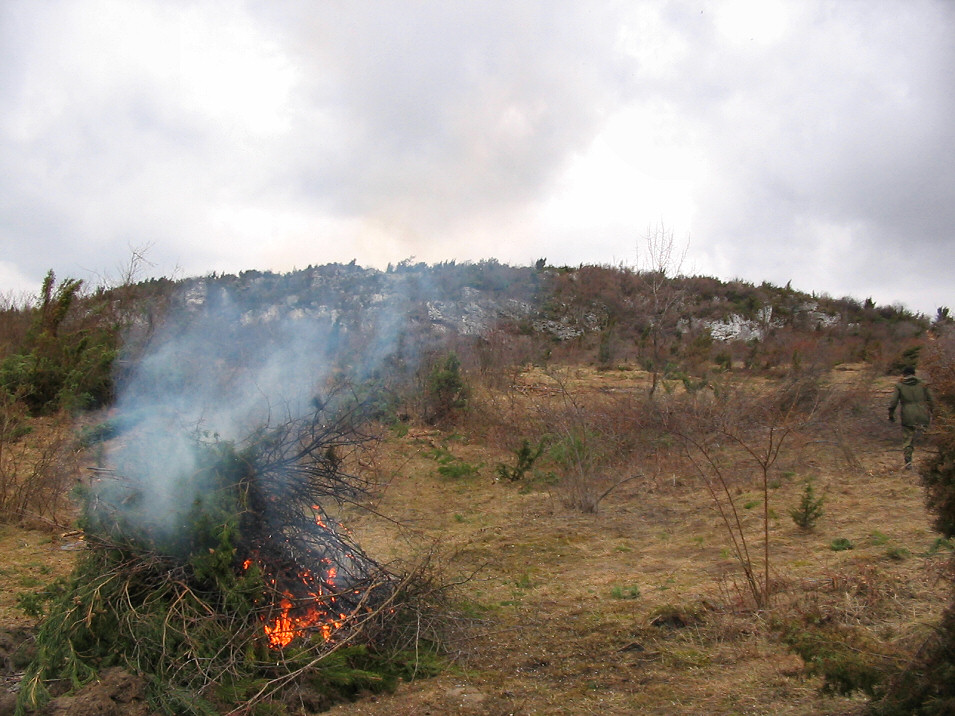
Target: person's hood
(910,380)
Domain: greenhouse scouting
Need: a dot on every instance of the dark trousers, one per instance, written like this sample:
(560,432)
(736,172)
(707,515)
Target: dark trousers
(911,434)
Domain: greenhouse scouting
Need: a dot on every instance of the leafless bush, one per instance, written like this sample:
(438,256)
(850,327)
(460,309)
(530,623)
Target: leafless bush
(846,409)
(595,441)
(741,429)
(34,480)
(501,356)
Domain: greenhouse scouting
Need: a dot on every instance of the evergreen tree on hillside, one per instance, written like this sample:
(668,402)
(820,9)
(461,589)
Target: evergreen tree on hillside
(67,357)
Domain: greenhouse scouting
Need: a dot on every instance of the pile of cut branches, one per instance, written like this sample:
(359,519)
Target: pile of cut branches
(255,594)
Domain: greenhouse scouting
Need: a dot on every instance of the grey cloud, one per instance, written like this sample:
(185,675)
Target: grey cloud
(841,124)
(824,150)
(448,113)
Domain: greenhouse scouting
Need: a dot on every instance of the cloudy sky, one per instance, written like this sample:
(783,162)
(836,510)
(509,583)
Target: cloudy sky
(802,141)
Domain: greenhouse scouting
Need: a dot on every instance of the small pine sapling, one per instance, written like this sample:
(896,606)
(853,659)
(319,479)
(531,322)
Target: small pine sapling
(809,509)
(526,457)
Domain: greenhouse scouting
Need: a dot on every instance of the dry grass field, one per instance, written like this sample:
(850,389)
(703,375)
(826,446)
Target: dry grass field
(640,606)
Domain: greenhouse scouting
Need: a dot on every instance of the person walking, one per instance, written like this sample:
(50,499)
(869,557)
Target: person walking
(916,413)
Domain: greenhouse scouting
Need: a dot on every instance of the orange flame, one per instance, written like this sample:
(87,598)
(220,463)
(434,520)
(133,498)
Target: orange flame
(302,613)
(287,626)
(309,615)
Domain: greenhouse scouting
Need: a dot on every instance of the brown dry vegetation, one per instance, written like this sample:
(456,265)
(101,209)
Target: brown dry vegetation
(605,579)
(638,606)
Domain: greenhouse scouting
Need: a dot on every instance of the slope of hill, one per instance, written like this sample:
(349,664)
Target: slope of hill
(589,313)
(644,560)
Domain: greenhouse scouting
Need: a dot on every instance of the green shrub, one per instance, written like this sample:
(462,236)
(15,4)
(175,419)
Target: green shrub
(677,616)
(525,457)
(939,544)
(898,554)
(452,467)
(575,449)
(631,592)
(846,658)
(927,685)
(809,510)
(909,358)
(458,469)
(99,433)
(841,544)
(446,392)
(605,350)
(724,361)
(66,361)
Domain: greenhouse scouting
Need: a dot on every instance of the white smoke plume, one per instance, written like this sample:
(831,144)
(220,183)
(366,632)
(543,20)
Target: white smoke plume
(238,354)
(226,363)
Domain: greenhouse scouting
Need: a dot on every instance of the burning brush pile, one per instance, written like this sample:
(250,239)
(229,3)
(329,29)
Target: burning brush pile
(241,593)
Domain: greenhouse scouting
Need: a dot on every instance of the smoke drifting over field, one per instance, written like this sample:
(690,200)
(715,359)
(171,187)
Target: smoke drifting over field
(225,364)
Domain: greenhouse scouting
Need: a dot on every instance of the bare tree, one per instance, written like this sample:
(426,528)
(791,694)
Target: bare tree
(744,424)
(661,263)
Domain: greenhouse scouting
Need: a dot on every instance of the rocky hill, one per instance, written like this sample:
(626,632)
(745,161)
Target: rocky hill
(605,315)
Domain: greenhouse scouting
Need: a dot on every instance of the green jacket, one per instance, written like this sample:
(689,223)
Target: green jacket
(916,399)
